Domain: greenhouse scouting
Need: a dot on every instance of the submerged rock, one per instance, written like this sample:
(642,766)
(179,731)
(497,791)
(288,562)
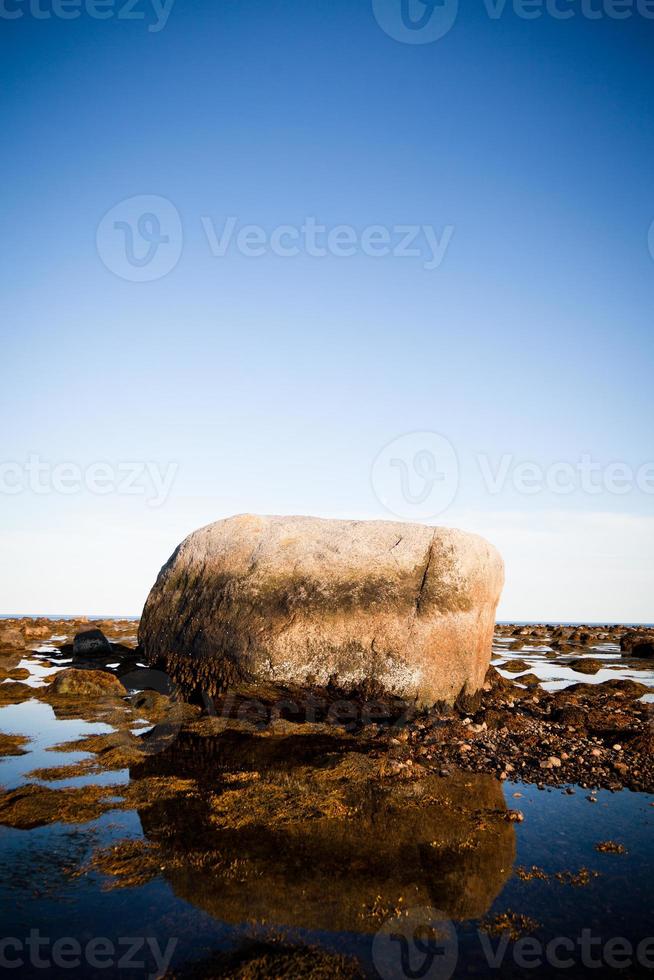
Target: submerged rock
(370,607)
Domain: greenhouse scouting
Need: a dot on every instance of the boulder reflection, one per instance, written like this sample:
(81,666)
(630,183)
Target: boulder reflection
(302,831)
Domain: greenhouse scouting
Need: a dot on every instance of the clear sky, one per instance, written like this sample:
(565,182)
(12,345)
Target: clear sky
(520,333)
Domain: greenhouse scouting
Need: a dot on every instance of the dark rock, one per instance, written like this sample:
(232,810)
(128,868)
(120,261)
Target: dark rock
(91,643)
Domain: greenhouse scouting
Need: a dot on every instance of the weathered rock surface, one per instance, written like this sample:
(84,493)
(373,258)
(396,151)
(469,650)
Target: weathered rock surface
(368,607)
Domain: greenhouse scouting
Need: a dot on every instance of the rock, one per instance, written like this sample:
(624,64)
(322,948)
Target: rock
(634,638)
(363,607)
(643,649)
(91,643)
(11,637)
(515,666)
(87,683)
(586,665)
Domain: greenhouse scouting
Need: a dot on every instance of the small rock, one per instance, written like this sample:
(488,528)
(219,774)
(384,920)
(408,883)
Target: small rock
(91,643)
(87,683)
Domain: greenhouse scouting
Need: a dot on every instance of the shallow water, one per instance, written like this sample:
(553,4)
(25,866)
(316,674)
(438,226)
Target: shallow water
(554,673)
(340,882)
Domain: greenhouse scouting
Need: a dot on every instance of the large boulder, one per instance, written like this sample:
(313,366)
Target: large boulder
(373,607)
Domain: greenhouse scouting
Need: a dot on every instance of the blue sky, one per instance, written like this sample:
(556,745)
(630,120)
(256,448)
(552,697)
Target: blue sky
(272,383)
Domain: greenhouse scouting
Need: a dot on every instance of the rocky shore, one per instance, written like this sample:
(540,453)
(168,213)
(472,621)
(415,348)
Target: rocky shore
(595,735)
(298,806)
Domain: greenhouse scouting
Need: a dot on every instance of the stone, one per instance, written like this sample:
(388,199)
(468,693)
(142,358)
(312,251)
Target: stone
(643,649)
(360,607)
(515,666)
(586,665)
(638,643)
(554,762)
(91,643)
(11,637)
(87,683)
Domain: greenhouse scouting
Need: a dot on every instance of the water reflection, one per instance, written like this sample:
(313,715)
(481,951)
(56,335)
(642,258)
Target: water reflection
(280,834)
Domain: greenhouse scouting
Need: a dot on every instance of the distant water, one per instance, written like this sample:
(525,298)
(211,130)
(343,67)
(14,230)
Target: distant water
(63,616)
(565,622)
